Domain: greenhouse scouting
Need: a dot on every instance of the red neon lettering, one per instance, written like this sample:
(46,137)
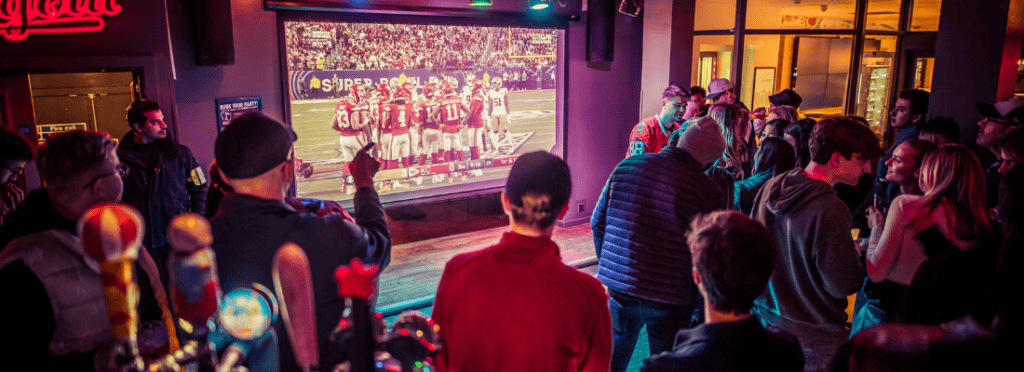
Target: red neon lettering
(21,18)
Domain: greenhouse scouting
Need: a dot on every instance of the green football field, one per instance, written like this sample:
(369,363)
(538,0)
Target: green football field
(532,125)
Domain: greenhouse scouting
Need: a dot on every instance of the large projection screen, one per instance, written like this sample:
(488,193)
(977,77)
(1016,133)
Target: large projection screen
(500,77)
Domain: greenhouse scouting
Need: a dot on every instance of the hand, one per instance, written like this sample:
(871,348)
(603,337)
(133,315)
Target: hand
(760,113)
(692,109)
(363,168)
(10,197)
(876,219)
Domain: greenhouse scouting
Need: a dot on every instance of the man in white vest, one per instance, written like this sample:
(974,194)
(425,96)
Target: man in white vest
(55,315)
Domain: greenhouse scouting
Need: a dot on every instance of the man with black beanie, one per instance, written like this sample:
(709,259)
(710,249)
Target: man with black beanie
(255,157)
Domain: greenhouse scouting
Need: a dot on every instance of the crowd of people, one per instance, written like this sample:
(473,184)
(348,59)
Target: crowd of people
(375,46)
(921,233)
(724,232)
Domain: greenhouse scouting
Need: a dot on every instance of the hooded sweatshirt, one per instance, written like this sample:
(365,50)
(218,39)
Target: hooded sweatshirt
(818,266)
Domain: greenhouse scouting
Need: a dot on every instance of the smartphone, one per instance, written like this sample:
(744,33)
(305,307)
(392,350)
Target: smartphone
(880,203)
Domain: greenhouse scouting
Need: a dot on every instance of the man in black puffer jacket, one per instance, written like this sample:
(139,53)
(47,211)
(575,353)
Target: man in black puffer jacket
(164,179)
(640,225)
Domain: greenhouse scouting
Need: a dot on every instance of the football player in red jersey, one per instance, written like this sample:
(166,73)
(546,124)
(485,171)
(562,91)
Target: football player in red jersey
(475,121)
(415,130)
(383,127)
(398,117)
(350,119)
(449,115)
(431,131)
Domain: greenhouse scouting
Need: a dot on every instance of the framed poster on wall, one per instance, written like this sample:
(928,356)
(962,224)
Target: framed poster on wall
(230,108)
(764,86)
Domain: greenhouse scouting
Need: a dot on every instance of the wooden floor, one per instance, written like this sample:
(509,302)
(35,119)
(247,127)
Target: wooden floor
(416,267)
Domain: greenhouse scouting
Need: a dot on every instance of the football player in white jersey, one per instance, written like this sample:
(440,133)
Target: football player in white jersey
(498,104)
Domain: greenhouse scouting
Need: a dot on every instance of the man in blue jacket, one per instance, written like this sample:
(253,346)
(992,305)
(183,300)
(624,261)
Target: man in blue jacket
(163,179)
(640,225)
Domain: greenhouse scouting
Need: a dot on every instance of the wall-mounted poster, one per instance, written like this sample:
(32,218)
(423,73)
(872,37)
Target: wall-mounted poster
(764,86)
(231,108)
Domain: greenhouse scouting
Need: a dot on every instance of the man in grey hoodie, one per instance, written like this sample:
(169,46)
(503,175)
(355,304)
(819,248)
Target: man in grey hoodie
(818,266)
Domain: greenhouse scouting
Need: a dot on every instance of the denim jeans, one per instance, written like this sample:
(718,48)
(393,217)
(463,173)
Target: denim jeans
(630,314)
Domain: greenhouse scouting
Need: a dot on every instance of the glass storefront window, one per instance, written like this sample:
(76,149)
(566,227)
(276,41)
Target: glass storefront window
(923,68)
(925,15)
(712,58)
(883,15)
(714,15)
(767,68)
(801,15)
(820,73)
(874,80)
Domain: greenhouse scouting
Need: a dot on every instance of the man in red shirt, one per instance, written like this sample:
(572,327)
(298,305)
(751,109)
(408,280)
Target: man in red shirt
(651,134)
(516,306)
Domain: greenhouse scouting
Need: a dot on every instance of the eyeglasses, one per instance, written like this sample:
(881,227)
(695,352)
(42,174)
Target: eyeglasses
(15,172)
(122,170)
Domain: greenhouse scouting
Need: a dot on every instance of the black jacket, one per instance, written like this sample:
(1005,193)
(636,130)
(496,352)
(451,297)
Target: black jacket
(248,231)
(742,345)
(175,186)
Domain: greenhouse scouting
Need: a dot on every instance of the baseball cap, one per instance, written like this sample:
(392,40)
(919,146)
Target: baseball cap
(1010,109)
(717,87)
(541,172)
(787,97)
(251,145)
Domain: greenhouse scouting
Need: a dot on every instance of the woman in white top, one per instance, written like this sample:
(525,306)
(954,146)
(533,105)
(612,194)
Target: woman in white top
(953,201)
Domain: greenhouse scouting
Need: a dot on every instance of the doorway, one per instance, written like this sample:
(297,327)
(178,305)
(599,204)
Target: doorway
(89,100)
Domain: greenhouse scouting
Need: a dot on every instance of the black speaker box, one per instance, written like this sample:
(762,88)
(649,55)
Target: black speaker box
(600,30)
(212,34)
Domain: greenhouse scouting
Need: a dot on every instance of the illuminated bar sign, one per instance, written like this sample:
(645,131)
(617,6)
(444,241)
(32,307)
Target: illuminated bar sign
(21,18)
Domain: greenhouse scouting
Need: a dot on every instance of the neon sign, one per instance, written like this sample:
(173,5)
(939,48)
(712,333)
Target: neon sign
(21,18)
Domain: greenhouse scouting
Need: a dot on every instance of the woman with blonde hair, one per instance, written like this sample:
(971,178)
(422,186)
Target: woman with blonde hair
(954,202)
(729,117)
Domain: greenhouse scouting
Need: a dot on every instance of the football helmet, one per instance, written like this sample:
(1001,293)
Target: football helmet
(496,83)
(428,90)
(355,91)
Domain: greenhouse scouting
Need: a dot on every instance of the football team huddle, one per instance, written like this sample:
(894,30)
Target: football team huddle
(411,128)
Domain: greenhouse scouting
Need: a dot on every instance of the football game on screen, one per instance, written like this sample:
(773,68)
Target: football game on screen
(449,108)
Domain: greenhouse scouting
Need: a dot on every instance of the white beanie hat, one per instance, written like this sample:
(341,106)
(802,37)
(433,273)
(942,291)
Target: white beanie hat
(703,141)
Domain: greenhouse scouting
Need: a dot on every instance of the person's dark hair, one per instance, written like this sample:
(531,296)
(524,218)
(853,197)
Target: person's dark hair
(538,187)
(14,147)
(674,90)
(734,256)
(921,148)
(845,136)
(778,124)
(68,155)
(1012,142)
(695,90)
(136,111)
(918,100)
(801,133)
(775,155)
(944,126)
